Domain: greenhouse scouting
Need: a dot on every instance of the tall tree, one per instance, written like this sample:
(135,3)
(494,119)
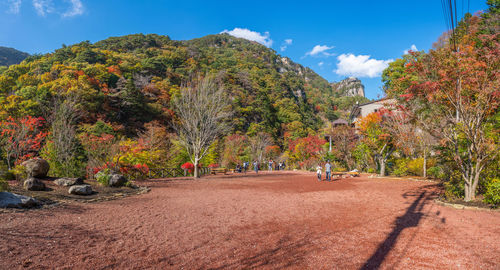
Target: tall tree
(376,135)
(453,94)
(201,108)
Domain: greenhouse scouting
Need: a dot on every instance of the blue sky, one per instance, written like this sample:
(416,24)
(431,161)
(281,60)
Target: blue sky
(337,39)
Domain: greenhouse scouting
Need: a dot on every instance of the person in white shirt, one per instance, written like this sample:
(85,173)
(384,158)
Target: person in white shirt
(318,171)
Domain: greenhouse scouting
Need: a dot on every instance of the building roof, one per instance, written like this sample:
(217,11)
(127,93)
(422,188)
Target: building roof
(340,122)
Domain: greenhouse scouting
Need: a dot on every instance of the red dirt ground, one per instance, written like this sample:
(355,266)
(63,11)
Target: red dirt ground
(274,220)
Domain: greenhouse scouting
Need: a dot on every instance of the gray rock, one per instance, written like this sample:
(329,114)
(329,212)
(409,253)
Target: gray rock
(80,190)
(117,180)
(349,87)
(11,200)
(34,184)
(36,167)
(66,181)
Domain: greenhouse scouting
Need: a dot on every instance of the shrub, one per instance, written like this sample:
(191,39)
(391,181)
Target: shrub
(103,177)
(371,170)
(20,172)
(435,172)
(416,166)
(188,166)
(72,166)
(401,167)
(492,194)
(136,172)
(454,188)
(4,186)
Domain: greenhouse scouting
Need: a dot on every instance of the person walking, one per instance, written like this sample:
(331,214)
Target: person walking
(318,171)
(328,171)
(256,166)
(270,165)
(245,166)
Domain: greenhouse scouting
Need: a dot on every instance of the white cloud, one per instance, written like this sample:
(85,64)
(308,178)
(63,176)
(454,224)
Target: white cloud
(76,9)
(43,7)
(412,48)
(285,44)
(321,63)
(320,49)
(360,65)
(14,6)
(263,39)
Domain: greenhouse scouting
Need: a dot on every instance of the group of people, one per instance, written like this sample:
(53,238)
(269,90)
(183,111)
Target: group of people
(278,166)
(328,171)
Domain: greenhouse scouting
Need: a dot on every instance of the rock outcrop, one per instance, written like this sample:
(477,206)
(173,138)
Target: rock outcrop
(36,167)
(66,182)
(11,200)
(349,87)
(34,184)
(117,180)
(80,190)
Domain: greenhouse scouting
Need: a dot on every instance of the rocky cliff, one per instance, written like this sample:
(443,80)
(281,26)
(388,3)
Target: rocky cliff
(349,87)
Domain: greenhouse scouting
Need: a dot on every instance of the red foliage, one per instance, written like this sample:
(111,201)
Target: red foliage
(21,139)
(114,69)
(188,166)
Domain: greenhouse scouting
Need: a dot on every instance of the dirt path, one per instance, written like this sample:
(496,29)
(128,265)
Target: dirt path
(271,221)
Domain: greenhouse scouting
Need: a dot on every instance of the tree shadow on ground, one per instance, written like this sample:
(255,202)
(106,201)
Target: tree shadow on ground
(287,253)
(411,218)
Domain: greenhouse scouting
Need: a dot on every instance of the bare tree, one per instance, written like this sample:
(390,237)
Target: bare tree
(201,109)
(258,144)
(65,115)
(344,140)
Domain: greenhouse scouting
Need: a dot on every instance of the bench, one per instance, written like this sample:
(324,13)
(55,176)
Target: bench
(218,170)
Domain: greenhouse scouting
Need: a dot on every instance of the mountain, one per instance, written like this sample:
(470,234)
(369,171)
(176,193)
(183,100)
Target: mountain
(130,80)
(349,87)
(11,56)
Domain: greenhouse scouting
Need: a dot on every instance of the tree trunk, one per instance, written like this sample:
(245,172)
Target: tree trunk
(425,164)
(467,190)
(382,166)
(196,160)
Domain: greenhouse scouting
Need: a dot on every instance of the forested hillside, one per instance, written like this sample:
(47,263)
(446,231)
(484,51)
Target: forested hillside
(10,56)
(128,81)
(119,91)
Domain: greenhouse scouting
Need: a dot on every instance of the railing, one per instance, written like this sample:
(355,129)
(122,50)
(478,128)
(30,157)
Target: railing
(174,172)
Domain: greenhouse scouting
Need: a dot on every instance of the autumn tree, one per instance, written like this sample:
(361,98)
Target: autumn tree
(202,110)
(453,94)
(308,151)
(377,137)
(21,139)
(234,148)
(344,141)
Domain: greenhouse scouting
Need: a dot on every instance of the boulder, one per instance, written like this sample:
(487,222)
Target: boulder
(80,190)
(117,180)
(34,184)
(66,181)
(11,200)
(36,167)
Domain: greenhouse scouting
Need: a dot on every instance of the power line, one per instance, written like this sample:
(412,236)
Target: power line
(452,24)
